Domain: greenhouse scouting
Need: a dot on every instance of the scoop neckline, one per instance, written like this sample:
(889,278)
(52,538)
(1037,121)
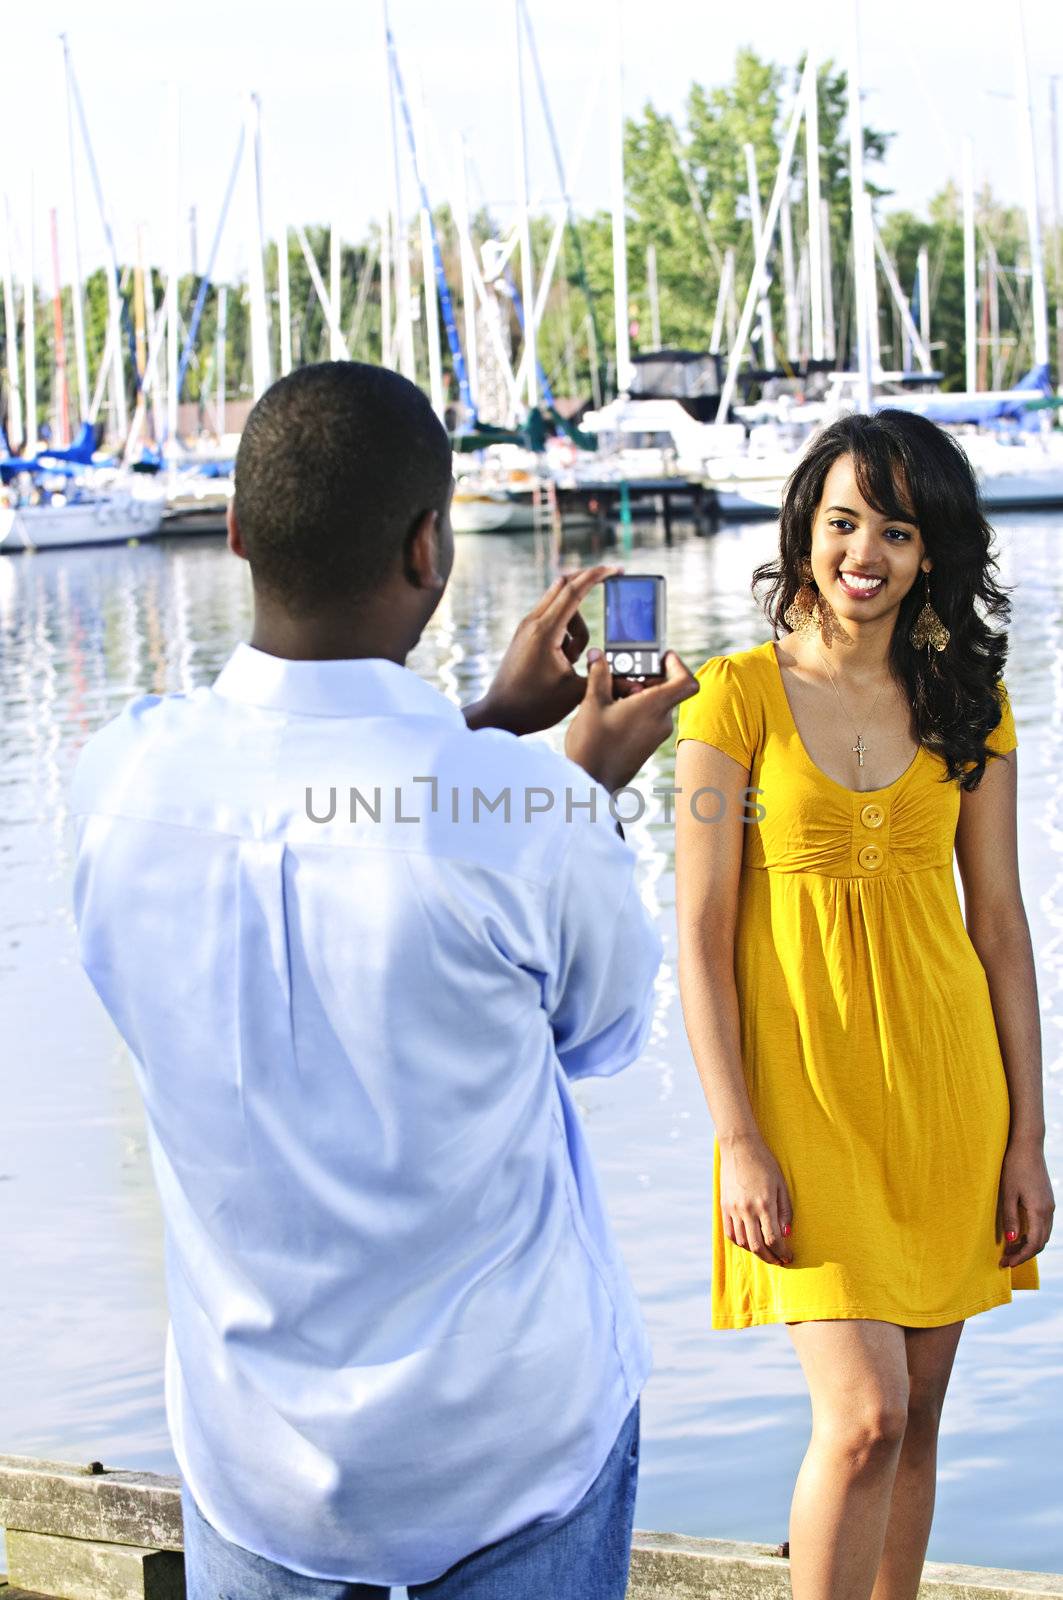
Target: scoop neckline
(818,770)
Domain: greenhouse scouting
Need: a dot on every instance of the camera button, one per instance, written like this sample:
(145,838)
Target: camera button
(623,661)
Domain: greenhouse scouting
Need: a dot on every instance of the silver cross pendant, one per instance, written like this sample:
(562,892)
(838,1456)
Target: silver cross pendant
(859,748)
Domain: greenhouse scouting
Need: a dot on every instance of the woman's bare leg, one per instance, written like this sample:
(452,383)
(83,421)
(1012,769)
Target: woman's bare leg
(930,1352)
(857,1374)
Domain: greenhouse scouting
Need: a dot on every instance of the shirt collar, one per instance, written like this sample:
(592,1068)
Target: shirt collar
(365,687)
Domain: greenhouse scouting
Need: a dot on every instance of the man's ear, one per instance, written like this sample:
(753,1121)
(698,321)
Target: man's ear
(422,564)
(234,537)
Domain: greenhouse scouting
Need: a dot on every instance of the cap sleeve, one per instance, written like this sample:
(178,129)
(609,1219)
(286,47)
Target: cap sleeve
(718,713)
(1003,737)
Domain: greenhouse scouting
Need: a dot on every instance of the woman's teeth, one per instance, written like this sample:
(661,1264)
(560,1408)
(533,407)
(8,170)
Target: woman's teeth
(859,587)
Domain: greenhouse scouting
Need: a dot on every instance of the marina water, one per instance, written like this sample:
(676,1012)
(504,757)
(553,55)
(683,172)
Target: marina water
(725,1416)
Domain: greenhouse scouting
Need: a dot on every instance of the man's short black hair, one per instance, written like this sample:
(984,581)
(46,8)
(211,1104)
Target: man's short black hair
(337,465)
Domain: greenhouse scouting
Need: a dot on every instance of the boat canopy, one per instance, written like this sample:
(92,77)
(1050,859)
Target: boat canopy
(1037,384)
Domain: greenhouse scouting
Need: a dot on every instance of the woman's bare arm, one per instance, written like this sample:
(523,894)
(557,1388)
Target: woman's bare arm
(987,853)
(756,1204)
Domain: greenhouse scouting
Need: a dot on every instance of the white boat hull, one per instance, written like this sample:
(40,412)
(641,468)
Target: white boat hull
(1019,491)
(490,513)
(110,519)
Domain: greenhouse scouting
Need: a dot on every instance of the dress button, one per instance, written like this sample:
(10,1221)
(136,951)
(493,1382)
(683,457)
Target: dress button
(872,816)
(870,857)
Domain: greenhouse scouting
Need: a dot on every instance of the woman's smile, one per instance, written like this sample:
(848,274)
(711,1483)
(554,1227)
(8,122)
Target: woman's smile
(860,586)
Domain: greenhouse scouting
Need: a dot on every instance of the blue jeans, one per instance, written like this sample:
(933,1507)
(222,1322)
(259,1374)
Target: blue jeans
(582,1556)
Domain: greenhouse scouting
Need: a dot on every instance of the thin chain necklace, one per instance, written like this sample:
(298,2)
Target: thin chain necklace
(859,747)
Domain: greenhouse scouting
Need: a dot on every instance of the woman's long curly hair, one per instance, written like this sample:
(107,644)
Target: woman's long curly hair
(909,468)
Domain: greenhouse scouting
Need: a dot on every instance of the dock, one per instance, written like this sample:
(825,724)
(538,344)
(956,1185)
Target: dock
(88,1532)
(671,498)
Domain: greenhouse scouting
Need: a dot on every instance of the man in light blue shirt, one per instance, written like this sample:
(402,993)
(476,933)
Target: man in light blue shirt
(359,942)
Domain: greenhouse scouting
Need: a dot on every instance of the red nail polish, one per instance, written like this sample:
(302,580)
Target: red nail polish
(787,1230)
(1011,1236)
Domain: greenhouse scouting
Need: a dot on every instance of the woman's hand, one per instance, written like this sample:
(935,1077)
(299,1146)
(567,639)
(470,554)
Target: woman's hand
(754,1199)
(1026,1202)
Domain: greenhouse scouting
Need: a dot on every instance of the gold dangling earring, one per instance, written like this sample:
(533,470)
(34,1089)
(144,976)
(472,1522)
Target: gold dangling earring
(802,614)
(929,629)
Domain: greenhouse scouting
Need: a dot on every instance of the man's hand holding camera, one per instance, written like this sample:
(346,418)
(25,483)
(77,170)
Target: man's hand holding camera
(620,721)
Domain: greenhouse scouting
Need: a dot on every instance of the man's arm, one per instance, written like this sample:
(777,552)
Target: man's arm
(599,993)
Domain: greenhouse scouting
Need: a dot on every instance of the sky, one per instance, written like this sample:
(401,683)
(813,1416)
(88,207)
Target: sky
(933,71)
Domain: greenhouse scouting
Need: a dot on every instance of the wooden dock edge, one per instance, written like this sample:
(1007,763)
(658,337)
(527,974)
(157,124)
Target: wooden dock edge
(89,1533)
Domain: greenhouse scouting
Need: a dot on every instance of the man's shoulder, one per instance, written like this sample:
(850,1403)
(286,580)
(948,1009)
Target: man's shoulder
(111,740)
(121,746)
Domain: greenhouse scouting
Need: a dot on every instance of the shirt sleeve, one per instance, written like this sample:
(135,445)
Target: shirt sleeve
(718,714)
(599,992)
(1003,737)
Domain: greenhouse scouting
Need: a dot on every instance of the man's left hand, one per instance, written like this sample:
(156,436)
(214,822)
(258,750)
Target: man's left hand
(537,685)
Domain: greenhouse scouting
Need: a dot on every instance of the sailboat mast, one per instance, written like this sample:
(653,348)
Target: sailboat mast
(724,291)
(284,300)
(62,401)
(829,333)
(334,293)
(81,365)
(14,384)
(1057,243)
(219,360)
(114,304)
(428,263)
(619,211)
(652,293)
(29,329)
(861,243)
(970,329)
(923,271)
(140,334)
(401,251)
(793,335)
(260,362)
(1033,220)
(172,397)
(468,285)
(815,241)
(767,333)
(527,271)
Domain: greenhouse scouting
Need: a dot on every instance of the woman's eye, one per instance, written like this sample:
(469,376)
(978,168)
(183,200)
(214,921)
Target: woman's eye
(897,533)
(840,522)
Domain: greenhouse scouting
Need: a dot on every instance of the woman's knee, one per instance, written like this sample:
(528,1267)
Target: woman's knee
(870,1428)
(925,1401)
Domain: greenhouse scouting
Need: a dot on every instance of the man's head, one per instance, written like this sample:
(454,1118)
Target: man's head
(341,507)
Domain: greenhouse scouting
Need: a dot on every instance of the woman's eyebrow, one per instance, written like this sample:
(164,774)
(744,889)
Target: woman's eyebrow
(849,512)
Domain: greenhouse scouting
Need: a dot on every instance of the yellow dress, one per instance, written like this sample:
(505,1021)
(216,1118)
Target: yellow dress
(868,1039)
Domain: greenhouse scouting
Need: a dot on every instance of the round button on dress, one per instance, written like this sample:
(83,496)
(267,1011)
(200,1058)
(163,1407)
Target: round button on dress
(868,1040)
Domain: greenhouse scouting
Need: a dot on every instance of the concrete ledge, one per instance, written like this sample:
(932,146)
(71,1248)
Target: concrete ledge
(90,1502)
(80,1569)
(85,1533)
(667,1566)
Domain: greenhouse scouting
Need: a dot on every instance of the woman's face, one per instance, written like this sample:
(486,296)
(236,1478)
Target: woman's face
(864,563)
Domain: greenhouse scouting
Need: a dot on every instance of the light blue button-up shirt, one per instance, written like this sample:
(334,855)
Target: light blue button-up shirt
(355,993)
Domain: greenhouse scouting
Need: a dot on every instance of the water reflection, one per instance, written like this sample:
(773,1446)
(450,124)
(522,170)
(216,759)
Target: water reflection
(725,1413)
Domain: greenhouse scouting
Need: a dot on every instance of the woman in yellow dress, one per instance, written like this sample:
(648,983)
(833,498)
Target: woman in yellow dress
(870,1053)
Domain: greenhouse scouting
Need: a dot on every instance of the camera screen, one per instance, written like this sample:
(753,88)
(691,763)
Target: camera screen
(631,611)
